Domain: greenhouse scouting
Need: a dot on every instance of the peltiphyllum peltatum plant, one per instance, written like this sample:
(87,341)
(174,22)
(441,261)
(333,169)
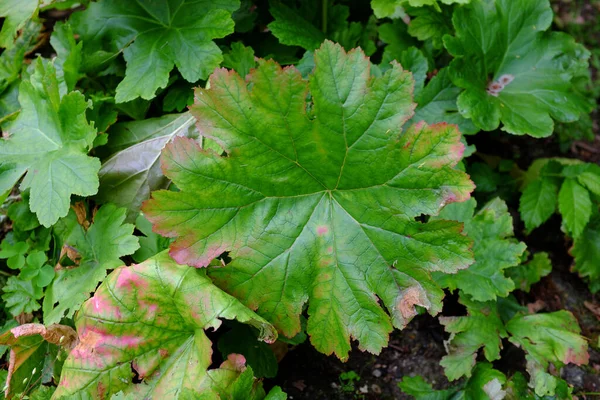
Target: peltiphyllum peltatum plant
(316,198)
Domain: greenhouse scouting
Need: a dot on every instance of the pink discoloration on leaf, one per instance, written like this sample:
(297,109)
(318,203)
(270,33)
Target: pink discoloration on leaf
(165,308)
(104,306)
(235,362)
(322,230)
(577,357)
(125,341)
(149,307)
(128,278)
(458,149)
(89,349)
(184,255)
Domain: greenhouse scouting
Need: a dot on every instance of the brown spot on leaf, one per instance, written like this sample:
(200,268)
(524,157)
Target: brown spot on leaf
(406,305)
(101,390)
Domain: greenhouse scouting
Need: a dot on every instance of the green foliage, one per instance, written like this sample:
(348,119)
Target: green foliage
(512,70)
(96,250)
(141,29)
(494,249)
(317,196)
(15,13)
(484,384)
(314,21)
(551,338)
(572,186)
(242,339)
(49,142)
(586,251)
(482,328)
(313,201)
(437,103)
(530,272)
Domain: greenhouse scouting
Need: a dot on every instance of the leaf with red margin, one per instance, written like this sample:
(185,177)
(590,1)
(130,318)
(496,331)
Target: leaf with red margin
(150,318)
(315,201)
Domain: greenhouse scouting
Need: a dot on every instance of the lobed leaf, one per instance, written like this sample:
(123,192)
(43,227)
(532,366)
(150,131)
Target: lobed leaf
(292,200)
(512,70)
(154,37)
(495,250)
(97,250)
(482,328)
(151,319)
(49,142)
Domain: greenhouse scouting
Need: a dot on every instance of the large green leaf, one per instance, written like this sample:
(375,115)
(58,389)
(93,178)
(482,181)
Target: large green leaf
(155,36)
(98,249)
(551,338)
(131,169)
(314,202)
(49,140)
(495,249)
(150,319)
(512,70)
